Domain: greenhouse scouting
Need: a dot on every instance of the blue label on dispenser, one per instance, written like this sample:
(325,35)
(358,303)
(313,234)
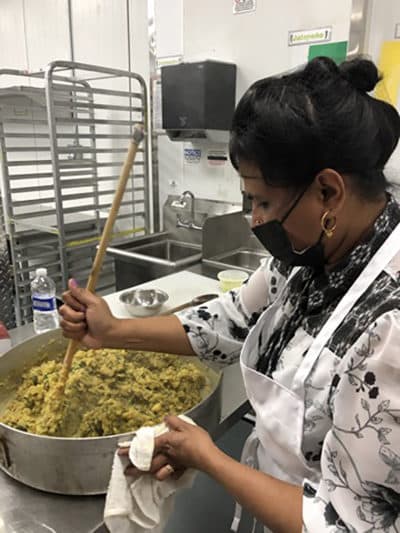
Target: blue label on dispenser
(192,155)
(44,304)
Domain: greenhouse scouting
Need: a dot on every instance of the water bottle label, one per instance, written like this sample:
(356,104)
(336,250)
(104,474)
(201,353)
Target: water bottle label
(44,304)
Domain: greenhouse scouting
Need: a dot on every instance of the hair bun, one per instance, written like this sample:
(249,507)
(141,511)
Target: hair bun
(320,67)
(361,73)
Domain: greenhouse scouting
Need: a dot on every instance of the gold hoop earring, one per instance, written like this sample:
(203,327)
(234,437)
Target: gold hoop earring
(328,225)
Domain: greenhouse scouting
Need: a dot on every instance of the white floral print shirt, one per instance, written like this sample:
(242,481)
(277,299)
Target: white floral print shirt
(351,432)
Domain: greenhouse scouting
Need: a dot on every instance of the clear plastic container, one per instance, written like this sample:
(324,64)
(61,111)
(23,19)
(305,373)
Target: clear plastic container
(230,279)
(45,314)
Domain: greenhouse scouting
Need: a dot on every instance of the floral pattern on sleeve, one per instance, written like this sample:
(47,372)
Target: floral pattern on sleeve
(218,329)
(360,462)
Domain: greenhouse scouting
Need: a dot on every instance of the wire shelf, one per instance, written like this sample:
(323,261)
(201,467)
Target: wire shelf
(63,136)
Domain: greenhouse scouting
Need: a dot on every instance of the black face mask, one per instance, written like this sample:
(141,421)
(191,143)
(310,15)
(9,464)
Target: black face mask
(274,238)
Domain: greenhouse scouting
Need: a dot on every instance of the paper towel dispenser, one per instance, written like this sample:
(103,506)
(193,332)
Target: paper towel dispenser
(198,100)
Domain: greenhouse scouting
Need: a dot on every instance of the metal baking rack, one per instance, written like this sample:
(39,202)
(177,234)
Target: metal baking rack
(63,137)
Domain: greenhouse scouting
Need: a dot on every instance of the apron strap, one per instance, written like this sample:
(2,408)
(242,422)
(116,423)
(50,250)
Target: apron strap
(379,261)
(249,458)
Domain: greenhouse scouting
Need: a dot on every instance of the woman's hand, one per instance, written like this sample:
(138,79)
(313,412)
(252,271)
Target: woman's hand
(183,446)
(85,317)
(267,498)
(161,467)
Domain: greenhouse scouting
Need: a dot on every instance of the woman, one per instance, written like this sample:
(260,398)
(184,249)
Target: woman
(321,364)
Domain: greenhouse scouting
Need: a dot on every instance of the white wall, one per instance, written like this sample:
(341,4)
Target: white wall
(46,32)
(36,32)
(169,27)
(257,43)
(12,34)
(100,32)
(383,17)
(28,41)
(33,33)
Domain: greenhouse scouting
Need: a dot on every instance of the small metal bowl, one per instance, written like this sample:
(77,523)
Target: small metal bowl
(143,302)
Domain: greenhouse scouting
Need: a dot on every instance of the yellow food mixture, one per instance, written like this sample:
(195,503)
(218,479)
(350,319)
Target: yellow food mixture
(108,392)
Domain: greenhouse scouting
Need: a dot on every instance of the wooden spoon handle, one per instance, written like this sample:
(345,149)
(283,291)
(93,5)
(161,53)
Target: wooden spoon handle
(202,299)
(107,231)
(177,308)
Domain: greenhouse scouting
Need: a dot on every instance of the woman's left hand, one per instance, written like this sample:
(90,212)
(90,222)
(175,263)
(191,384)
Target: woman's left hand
(183,446)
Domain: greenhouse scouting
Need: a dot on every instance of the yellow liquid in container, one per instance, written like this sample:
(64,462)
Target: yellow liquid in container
(231,279)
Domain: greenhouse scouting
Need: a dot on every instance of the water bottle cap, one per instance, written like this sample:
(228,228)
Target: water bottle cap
(41,272)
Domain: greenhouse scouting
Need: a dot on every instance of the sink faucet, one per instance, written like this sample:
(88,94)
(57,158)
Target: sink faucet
(182,203)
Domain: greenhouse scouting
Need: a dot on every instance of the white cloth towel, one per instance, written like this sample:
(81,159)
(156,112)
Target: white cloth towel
(144,504)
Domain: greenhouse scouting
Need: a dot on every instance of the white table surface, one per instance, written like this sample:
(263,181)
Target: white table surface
(181,287)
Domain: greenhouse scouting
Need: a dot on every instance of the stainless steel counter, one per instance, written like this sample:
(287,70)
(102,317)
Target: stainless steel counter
(69,514)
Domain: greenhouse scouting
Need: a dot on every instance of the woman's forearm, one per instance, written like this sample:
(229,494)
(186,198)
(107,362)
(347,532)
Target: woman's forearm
(275,503)
(154,334)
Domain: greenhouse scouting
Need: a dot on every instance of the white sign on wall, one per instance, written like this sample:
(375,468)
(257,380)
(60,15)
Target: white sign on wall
(168,60)
(319,35)
(243,6)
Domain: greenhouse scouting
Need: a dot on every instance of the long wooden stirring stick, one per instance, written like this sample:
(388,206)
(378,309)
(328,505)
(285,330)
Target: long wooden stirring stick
(52,410)
(138,135)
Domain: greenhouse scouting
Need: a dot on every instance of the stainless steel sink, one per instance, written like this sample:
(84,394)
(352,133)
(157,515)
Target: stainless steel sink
(244,259)
(151,257)
(168,250)
(248,259)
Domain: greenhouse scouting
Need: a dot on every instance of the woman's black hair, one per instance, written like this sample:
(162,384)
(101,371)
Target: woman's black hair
(293,126)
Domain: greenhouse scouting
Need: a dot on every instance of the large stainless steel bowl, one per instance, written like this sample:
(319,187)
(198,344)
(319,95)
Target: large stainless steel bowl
(79,466)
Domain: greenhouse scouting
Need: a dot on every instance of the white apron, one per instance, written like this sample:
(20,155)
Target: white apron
(274,446)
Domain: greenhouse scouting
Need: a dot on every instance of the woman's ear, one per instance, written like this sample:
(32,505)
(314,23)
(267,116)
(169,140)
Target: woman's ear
(331,188)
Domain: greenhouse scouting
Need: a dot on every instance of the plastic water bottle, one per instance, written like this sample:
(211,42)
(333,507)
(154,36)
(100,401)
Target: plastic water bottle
(45,314)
